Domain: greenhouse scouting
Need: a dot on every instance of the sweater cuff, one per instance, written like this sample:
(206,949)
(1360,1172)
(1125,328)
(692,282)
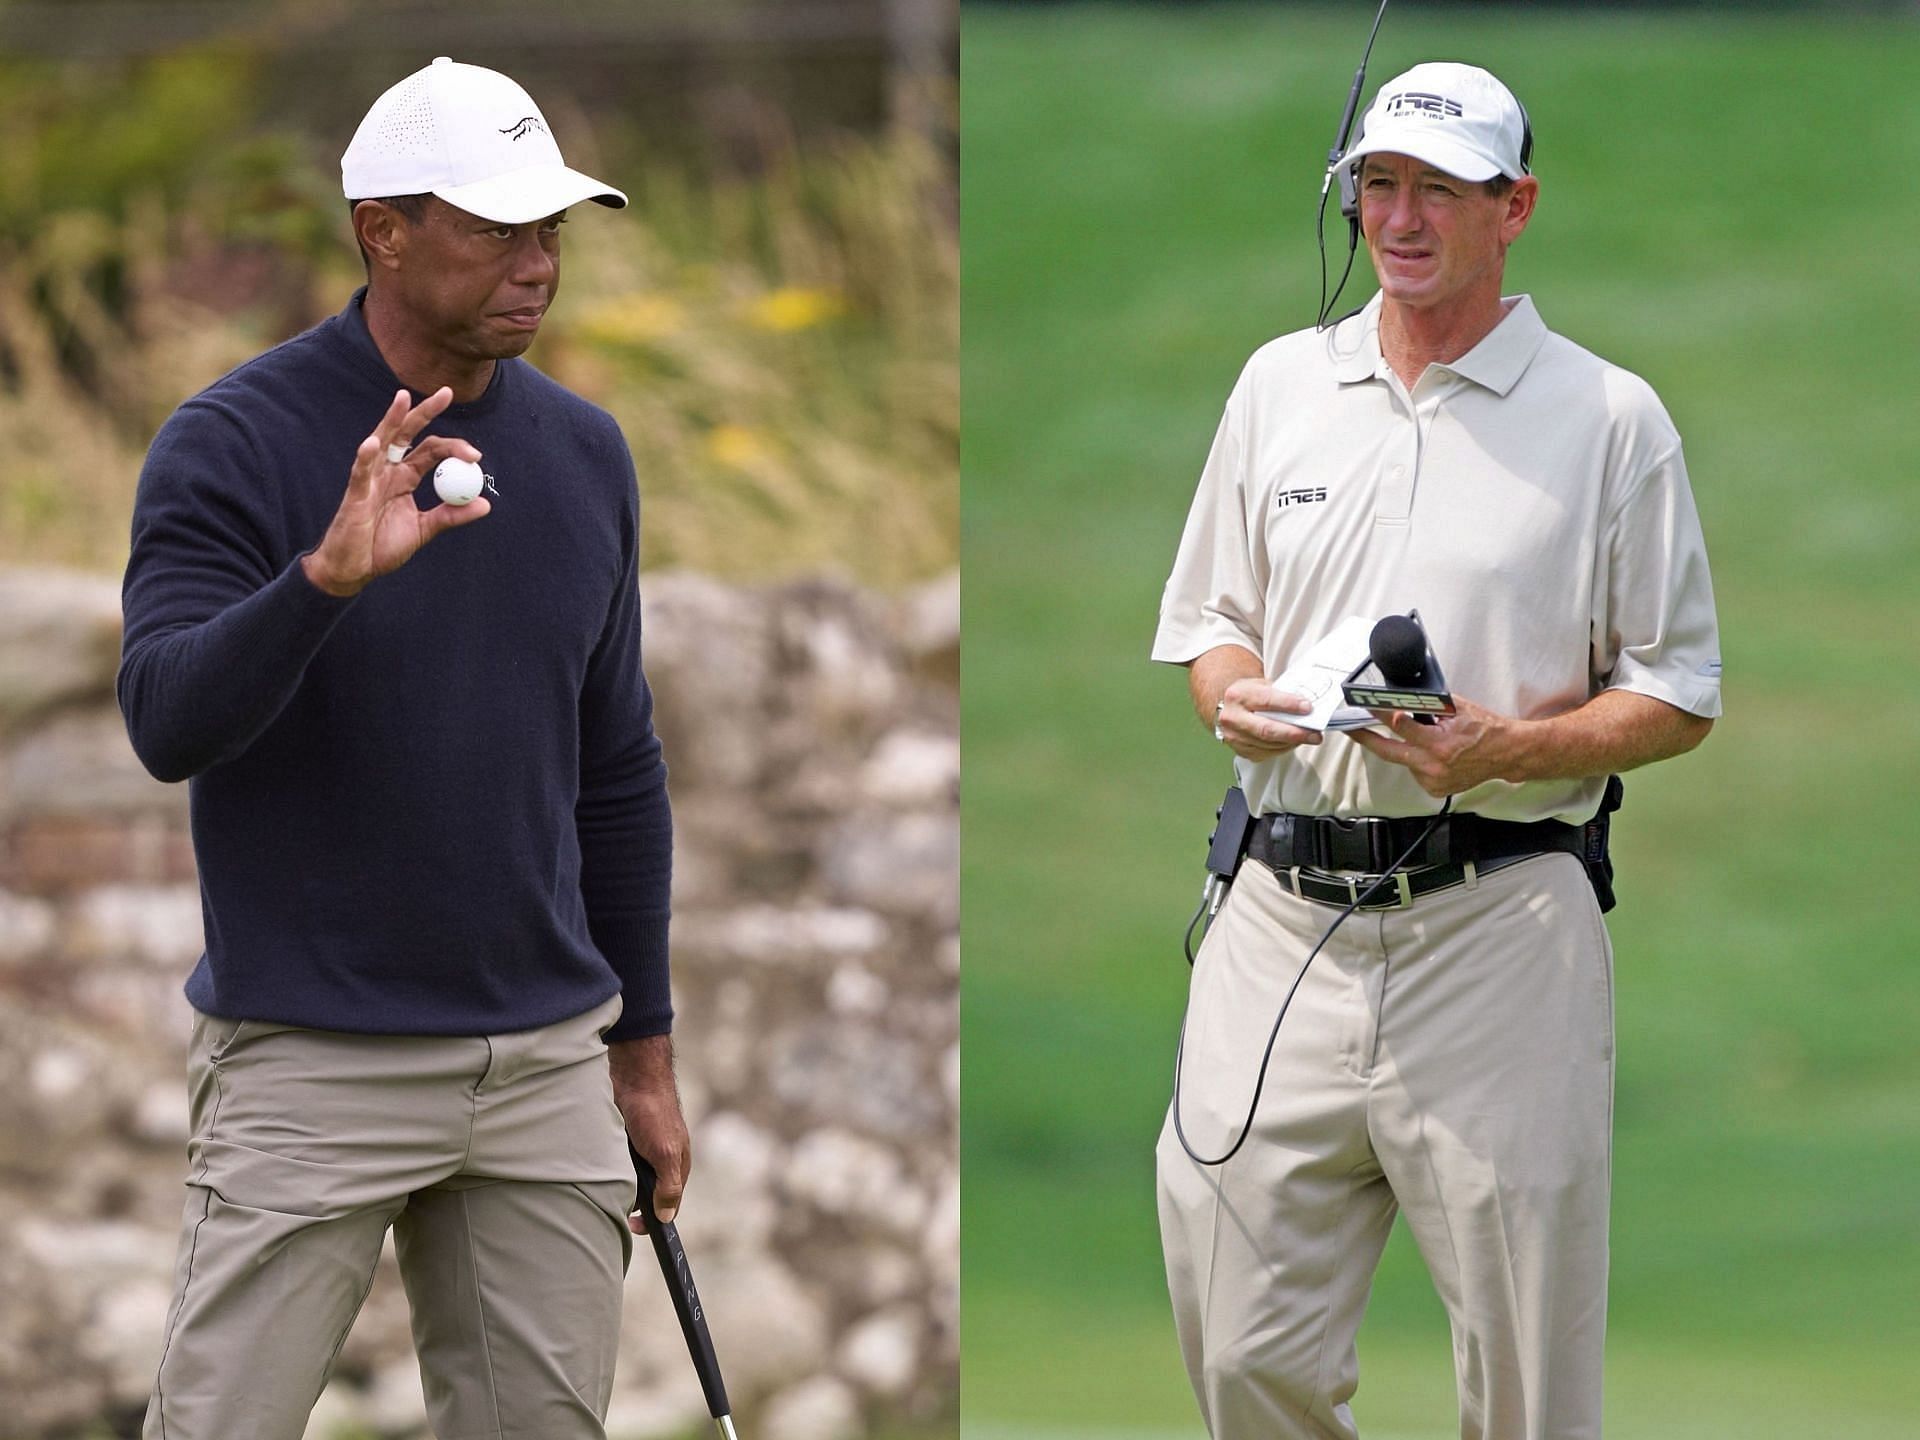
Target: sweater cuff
(308,607)
(636,947)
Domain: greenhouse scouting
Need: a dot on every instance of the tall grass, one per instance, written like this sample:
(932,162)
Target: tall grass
(781,346)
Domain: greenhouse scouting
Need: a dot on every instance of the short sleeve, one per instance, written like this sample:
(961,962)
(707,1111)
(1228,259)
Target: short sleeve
(1216,594)
(1654,628)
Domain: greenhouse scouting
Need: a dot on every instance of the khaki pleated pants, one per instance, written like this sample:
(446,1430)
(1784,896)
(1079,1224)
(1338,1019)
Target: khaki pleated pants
(1452,1060)
(500,1162)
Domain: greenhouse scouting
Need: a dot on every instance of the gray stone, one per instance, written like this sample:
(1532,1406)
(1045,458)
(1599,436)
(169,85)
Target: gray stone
(27,927)
(710,665)
(157,924)
(81,763)
(59,640)
(821,1408)
(833,1073)
(145,1002)
(785,935)
(161,1117)
(878,1273)
(912,768)
(729,1204)
(926,624)
(856,1179)
(881,1353)
(856,991)
(941,1242)
(96,1255)
(896,864)
(123,1335)
(768,1328)
(840,673)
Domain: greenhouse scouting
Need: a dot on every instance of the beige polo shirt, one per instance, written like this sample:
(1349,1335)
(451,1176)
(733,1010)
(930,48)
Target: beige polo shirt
(1529,499)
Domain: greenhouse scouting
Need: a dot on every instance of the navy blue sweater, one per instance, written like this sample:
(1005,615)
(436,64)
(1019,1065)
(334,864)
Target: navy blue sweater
(437,807)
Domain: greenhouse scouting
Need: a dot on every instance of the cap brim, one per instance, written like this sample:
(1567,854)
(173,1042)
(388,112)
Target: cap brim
(1459,161)
(522,196)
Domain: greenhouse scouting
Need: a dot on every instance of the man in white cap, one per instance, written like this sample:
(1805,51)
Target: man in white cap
(429,812)
(1448,1053)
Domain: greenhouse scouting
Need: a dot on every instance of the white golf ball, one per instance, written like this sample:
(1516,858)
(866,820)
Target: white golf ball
(457,481)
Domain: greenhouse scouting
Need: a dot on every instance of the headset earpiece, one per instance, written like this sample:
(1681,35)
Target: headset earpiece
(1350,179)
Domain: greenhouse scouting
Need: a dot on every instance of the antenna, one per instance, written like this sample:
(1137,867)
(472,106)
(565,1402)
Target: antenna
(1340,139)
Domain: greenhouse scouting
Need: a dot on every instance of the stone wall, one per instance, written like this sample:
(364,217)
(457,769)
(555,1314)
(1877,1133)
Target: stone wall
(812,740)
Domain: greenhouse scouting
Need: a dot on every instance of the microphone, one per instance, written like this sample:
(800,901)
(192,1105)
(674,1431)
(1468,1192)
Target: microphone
(1399,649)
(1400,653)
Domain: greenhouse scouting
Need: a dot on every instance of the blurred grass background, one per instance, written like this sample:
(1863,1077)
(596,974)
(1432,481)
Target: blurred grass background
(1728,208)
(774,320)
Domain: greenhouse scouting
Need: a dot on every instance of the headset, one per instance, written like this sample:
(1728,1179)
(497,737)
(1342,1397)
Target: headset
(1344,139)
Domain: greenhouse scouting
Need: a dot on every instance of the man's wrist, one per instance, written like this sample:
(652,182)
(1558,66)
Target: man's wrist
(1516,747)
(642,1063)
(320,579)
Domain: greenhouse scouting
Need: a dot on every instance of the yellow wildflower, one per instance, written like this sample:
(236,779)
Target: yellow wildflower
(736,445)
(795,308)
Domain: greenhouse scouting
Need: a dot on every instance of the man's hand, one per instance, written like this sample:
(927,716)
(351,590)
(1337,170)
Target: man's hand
(1261,737)
(378,528)
(649,1103)
(1455,753)
(1616,730)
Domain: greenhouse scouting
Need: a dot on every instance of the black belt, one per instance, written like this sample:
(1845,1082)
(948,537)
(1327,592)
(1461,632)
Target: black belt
(1296,846)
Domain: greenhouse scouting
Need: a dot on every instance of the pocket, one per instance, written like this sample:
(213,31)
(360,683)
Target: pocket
(608,1015)
(1600,947)
(215,1035)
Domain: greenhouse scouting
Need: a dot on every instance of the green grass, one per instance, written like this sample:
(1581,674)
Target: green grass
(1137,200)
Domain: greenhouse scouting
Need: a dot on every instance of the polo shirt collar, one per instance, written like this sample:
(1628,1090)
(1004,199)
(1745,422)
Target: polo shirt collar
(1496,363)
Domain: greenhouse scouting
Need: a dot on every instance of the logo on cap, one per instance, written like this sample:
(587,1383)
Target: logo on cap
(524,127)
(1418,102)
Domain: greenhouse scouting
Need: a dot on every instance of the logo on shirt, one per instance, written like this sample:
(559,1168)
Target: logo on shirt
(524,127)
(1308,495)
(1418,102)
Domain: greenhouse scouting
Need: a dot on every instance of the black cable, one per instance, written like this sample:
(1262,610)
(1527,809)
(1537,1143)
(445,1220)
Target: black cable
(1186,941)
(1273,1035)
(1340,138)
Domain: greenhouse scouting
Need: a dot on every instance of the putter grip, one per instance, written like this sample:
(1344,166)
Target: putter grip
(672,1256)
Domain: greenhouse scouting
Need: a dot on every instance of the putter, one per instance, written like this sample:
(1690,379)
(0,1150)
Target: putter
(672,1256)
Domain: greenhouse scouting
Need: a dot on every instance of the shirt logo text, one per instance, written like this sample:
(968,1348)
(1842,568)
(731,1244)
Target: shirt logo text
(1307,496)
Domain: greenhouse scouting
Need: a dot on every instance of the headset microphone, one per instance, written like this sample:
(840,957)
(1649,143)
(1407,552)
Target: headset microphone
(1349,202)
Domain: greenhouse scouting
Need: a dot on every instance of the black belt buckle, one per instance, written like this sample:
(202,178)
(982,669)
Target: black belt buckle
(1363,842)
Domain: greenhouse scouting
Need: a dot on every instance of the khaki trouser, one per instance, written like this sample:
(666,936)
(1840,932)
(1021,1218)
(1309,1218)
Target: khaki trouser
(500,1162)
(1453,1059)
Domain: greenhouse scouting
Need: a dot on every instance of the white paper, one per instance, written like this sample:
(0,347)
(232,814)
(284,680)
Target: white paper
(1317,675)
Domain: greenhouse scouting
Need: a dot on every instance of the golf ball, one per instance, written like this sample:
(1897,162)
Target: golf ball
(457,481)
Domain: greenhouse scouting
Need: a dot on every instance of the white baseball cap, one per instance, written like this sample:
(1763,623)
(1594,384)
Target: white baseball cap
(1457,118)
(474,138)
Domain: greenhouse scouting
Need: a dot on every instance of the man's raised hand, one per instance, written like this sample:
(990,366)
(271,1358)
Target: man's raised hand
(378,528)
